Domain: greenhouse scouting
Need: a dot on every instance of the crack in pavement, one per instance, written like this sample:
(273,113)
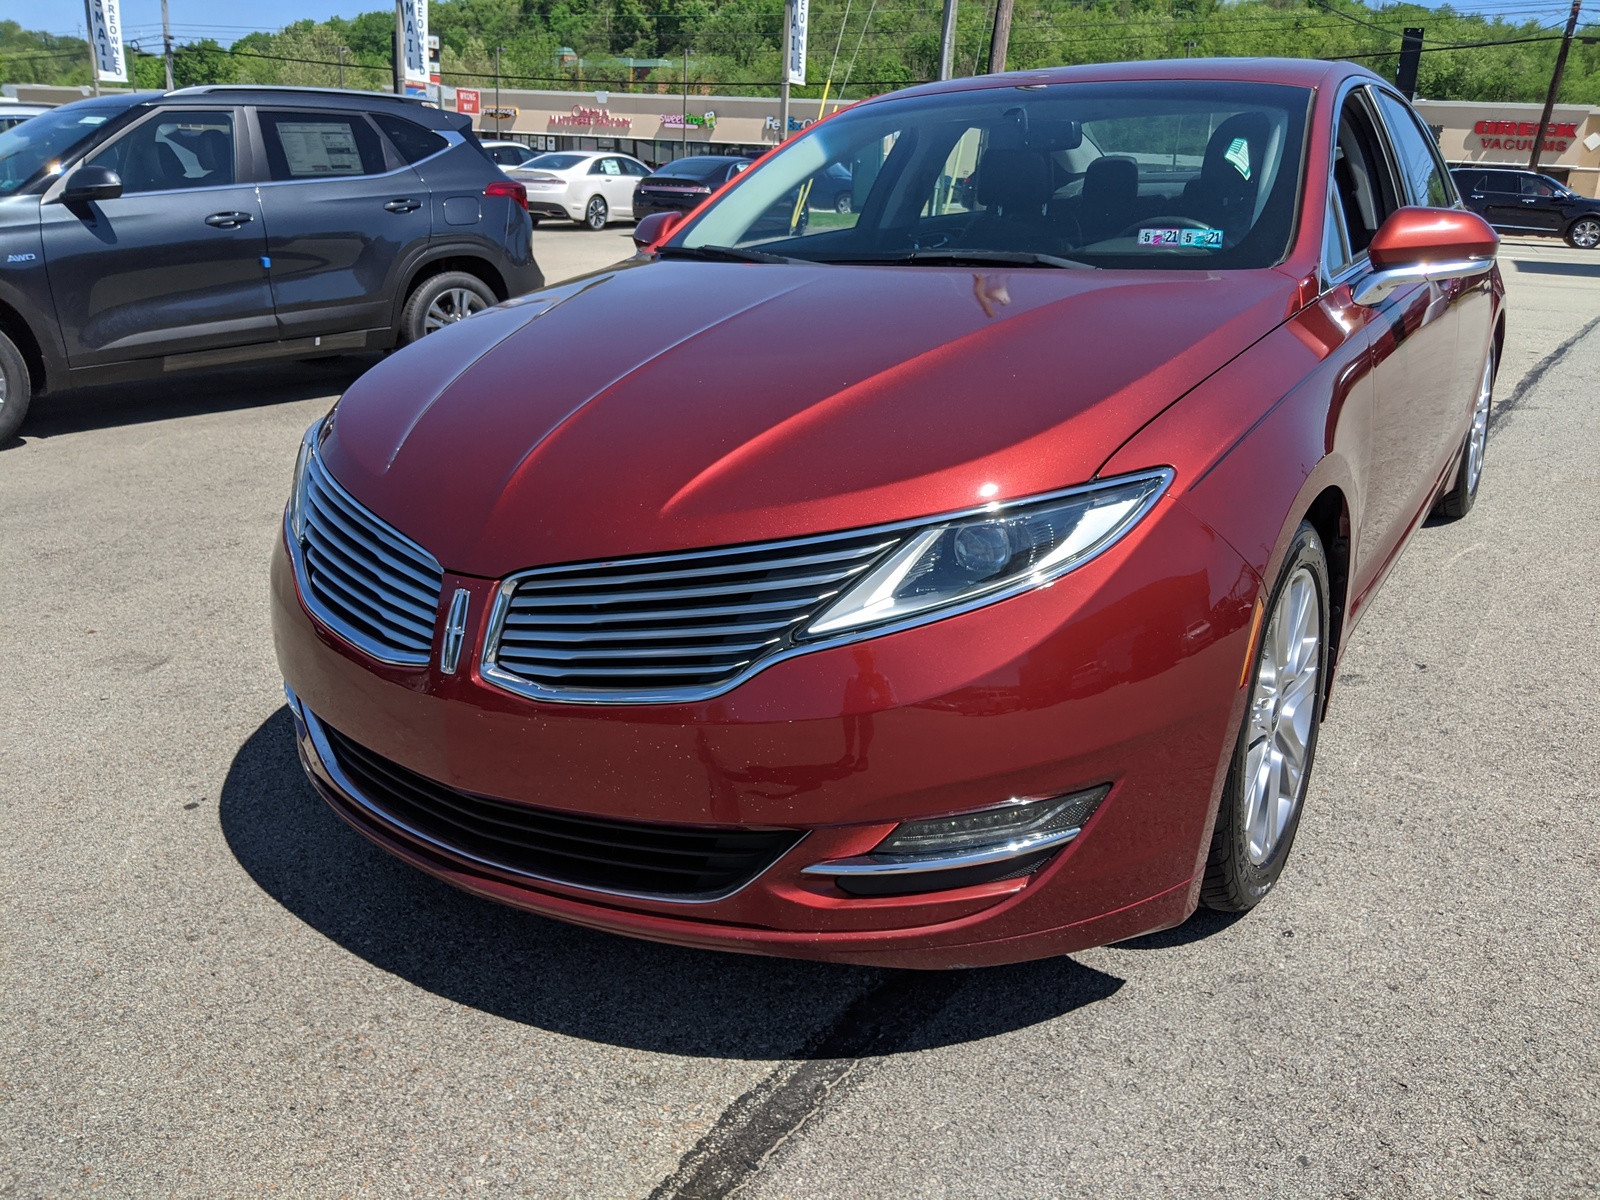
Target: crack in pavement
(1535,373)
(755,1125)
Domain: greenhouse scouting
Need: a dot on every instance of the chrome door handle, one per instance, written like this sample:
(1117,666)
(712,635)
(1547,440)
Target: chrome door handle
(402,206)
(231,220)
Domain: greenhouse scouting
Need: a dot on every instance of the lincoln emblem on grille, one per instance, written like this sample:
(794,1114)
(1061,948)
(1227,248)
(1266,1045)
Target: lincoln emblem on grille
(455,629)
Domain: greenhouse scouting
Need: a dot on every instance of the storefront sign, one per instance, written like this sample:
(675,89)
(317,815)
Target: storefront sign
(795,124)
(590,118)
(706,121)
(468,100)
(500,114)
(1519,135)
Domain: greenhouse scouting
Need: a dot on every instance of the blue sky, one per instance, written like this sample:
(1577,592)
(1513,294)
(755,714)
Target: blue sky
(193,19)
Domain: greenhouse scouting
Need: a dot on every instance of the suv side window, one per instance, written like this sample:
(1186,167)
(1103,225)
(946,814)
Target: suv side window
(320,145)
(1419,160)
(1364,190)
(1532,185)
(416,143)
(172,150)
(1499,181)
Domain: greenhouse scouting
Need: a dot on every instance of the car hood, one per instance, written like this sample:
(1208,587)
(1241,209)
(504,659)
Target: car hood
(670,405)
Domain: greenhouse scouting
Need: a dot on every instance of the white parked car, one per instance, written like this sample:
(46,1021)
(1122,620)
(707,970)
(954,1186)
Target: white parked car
(509,154)
(589,187)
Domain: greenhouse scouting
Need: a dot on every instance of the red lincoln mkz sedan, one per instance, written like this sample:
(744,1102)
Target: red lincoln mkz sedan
(952,581)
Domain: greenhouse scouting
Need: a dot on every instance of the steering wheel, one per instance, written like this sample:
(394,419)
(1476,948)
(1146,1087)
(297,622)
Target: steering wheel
(1164,221)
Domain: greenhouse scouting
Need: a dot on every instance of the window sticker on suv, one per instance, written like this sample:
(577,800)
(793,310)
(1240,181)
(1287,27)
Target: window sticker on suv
(320,148)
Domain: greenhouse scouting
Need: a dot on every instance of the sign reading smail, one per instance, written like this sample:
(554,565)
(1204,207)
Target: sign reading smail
(1518,135)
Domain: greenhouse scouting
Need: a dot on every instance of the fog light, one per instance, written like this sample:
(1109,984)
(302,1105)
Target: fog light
(1004,842)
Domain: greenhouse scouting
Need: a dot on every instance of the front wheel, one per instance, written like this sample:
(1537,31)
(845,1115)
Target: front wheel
(442,300)
(1458,501)
(595,213)
(1584,233)
(16,388)
(1260,807)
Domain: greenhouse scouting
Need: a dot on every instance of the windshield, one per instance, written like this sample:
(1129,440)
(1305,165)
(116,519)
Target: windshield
(1180,175)
(36,144)
(556,162)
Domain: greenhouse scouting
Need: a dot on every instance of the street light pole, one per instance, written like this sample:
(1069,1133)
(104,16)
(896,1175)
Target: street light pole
(1555,86)
(166,41)
(399,48)
(684,141)
(947,39)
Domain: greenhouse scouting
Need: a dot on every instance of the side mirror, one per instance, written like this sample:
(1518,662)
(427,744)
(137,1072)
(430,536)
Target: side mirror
(655,228)
(91,183)
(1416,245)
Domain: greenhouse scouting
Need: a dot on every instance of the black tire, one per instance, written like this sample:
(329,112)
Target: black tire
(471,295)
(1237,877)
(1457,501)
(1584,233)
(841,202)
(16,389)
(595,213)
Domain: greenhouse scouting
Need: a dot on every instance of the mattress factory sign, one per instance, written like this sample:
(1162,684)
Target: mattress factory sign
(589,118)
(1518,135)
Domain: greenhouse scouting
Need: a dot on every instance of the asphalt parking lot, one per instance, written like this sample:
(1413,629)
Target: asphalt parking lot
(211,987)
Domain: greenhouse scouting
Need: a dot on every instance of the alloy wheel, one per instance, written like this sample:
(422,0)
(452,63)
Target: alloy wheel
(450,306)
(595,215)
(1586,233)
(1478,438)
(1282,717)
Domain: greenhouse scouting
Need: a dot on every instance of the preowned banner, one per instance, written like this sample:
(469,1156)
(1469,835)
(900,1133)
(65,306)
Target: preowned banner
(414,15)
(105,31)
(797,43)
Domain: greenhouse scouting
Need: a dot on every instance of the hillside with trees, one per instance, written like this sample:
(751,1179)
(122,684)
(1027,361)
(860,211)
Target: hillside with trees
(867,46)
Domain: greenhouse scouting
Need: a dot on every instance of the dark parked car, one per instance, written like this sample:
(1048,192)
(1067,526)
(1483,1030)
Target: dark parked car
(148,233)
(680,185)
(1530,203)
(936,589)
(832,189)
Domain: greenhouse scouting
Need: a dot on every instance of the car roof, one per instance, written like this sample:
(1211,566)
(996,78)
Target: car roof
(1298,72)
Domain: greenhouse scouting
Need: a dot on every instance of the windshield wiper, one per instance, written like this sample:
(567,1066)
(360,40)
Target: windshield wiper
(1019,258)
(728,254)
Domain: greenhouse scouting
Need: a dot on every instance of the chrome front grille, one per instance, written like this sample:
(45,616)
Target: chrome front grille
(667,627)
(365,580)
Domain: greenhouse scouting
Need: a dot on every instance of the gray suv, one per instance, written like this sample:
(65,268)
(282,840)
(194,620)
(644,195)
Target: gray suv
(147,233)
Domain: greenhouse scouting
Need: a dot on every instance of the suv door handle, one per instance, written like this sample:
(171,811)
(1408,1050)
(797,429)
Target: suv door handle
(402,206)
(227,220)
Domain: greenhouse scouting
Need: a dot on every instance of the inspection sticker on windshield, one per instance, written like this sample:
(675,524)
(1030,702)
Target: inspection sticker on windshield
(1205,239)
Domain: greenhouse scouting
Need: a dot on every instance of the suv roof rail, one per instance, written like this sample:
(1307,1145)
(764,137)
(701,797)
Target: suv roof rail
(357,93)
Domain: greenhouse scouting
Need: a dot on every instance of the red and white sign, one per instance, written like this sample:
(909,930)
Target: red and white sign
(1518,135)
(469,100)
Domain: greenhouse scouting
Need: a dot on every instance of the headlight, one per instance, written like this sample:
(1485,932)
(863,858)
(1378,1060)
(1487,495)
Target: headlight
(297,491)
(994,554)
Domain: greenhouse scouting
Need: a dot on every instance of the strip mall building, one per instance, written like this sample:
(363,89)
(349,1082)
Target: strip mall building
(1476,134)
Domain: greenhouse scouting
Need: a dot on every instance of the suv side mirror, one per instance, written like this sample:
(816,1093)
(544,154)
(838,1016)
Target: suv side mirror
(91,183)
(657,227)
(1420,244)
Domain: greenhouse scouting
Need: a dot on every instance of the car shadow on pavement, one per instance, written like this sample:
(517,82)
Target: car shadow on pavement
(579,982)
(185,395)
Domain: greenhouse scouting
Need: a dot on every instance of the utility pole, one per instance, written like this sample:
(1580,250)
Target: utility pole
(783,70)
(684,141)
(497,50)
(1555,86)
(1002,36)
(341,66)
(399,48)
(94,54)
(947,39)
(166,42)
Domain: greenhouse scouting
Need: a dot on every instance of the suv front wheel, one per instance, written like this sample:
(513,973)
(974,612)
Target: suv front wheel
(441,300)
(1584,233)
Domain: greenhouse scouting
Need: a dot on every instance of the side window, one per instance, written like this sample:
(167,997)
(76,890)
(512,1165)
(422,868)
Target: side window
(610,166)
(1364,189)
(320,145)
(597,167)
(1419,159)
(1499,181)
(958,187)
(173,150)
(1532,185)
(416,143)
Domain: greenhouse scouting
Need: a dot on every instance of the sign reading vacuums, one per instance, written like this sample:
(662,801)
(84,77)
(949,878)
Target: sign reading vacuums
(797,42)
(105,31)
(414,23)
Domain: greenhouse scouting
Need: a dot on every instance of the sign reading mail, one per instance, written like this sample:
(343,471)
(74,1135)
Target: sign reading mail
(105,31)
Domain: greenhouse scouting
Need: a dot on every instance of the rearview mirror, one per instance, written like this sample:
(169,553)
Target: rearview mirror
(655,228)
(91,183)
(1416,245)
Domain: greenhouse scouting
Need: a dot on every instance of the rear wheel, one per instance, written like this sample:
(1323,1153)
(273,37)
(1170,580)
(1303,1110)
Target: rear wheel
(1458,501)
(16,389)
(841,202)
(1260,807)
(442,300)
(595,213)
(1584,233)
